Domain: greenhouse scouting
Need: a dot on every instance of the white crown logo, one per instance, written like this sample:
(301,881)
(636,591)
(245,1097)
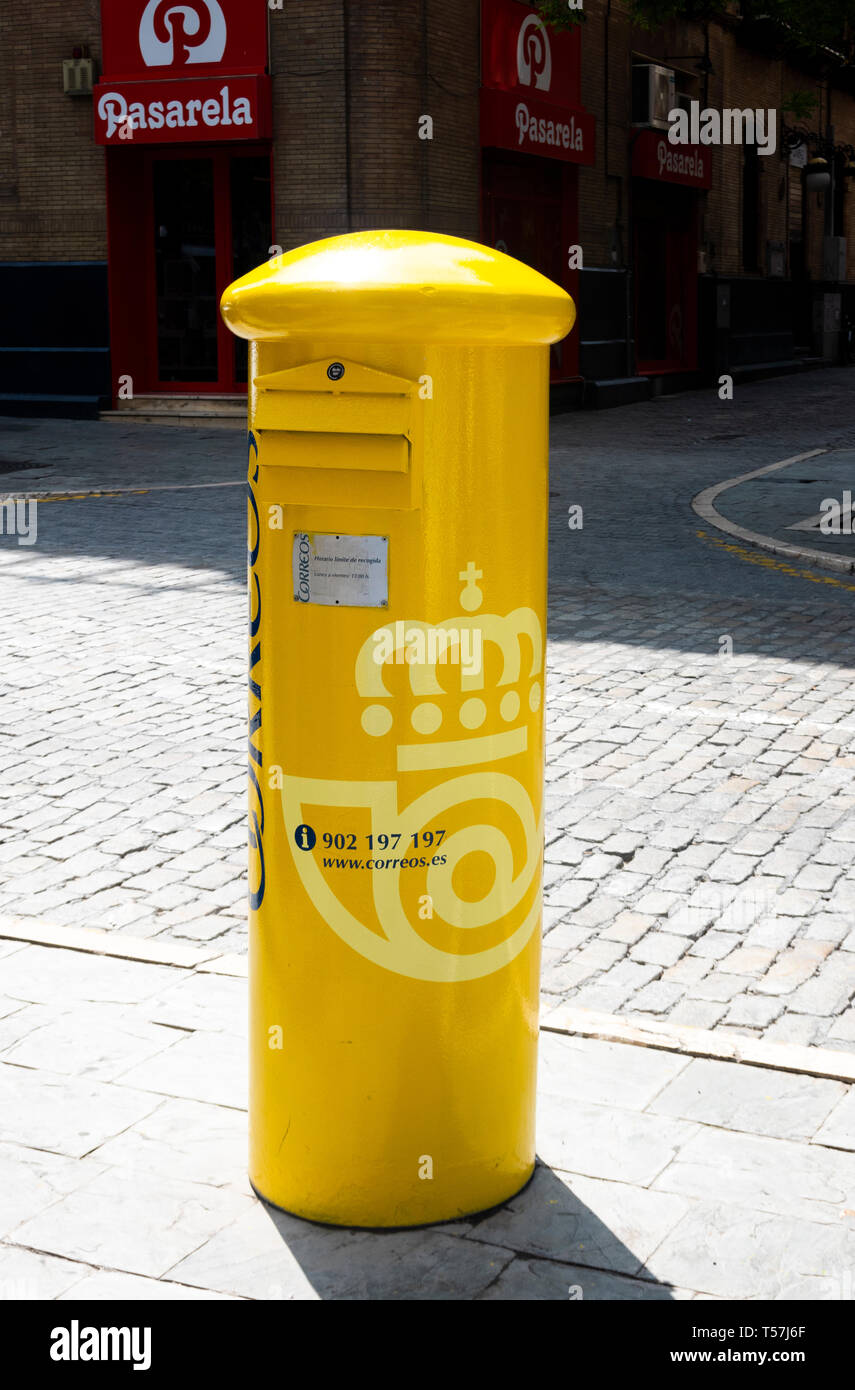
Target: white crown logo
(476,807)
(433,716)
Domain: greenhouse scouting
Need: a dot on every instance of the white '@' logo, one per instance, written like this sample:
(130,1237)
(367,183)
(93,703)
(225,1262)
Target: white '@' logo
(192,32)
(534,56)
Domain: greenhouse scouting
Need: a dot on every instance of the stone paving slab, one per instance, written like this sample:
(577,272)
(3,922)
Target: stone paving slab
(33,1179)
(771,1175)
(108,1285)
(631,1077)
(605,1142)
(199,1066)
(271,1255)
(47,1110)
(37,975)
(752,1099)
(185,1139)
(531,1280)
(139,1222)
(736,1253)
(111,1191)
(28,1274)
(100,1042)
(197,1002)
(838,1131)
(610,1226)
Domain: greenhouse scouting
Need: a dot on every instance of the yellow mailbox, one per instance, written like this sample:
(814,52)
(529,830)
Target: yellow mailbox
(397,548)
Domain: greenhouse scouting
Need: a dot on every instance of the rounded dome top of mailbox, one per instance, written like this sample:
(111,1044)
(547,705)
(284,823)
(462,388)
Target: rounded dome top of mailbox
(398,285)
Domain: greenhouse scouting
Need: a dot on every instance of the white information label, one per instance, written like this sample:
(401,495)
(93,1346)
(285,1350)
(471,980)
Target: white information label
(341,571)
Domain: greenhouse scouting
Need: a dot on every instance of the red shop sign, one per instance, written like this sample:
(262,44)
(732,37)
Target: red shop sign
(530,78)
(143,40)
(654,157)
(536,127)
(520,54)
(154,113)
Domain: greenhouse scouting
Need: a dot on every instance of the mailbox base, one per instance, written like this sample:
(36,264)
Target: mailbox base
(319,1217)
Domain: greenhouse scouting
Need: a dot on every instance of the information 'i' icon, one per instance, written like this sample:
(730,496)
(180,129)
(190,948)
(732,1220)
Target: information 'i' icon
(305,837)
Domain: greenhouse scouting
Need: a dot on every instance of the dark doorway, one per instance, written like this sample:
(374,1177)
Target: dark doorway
(184,223)
(666,277)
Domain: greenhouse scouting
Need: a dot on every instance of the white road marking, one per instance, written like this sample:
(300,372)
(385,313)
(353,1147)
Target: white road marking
(812,523)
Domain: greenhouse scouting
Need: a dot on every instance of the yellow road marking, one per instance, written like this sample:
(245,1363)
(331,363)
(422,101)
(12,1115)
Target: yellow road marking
(36,496)
(769,562)
(85,496)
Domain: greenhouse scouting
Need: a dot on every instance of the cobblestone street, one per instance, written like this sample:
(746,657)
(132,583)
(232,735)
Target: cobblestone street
(700,860)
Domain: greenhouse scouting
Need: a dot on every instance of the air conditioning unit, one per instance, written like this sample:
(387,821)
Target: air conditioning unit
(78,74)
(654,94)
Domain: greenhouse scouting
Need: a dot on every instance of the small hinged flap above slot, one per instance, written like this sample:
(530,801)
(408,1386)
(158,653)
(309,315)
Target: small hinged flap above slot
(361,400)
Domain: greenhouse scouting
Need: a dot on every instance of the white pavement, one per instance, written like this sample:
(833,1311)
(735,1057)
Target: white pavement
(661,1176)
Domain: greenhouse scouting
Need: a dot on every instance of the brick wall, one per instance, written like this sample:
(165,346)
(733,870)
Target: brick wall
(51,173)
(309,153)
(741,78)
(406,60)
(351,81)
(351,84)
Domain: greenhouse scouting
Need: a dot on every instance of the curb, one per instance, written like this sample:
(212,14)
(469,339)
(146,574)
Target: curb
(699,1042)
(703,505)
(98,942)
(564,1018)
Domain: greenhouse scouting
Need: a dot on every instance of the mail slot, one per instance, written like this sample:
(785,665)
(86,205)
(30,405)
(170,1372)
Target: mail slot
(397,547)
(365,422)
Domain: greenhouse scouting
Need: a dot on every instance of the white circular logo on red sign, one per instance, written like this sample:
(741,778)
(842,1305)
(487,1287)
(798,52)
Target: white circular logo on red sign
(174,34)
(534,56)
